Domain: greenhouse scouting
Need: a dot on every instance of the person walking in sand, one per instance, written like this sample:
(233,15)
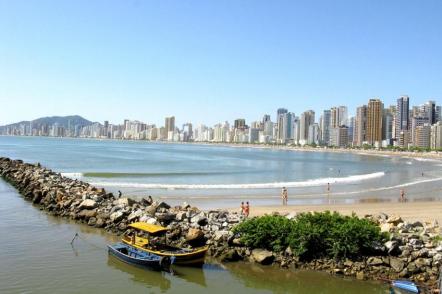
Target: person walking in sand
(247,209)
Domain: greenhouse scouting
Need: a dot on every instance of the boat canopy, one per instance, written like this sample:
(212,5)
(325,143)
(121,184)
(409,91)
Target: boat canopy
(149,228)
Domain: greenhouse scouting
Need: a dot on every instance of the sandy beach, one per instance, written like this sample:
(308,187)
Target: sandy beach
(410,211)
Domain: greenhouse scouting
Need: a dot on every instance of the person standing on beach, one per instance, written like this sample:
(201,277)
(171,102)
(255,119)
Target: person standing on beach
(284,195)
(242,208)
(328,187)
(247,209)
(402,198)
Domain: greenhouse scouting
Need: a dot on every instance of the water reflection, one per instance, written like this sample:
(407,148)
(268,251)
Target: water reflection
(290,281)
(154,279)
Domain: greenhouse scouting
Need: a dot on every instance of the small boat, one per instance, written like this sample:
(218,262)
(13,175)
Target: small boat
(407,286)
(137,257)
(155,242)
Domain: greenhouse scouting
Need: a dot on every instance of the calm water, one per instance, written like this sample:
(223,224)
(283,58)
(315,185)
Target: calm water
(214,176)
(36,257)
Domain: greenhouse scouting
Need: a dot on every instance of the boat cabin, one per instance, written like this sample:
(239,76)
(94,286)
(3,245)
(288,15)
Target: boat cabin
(145,235)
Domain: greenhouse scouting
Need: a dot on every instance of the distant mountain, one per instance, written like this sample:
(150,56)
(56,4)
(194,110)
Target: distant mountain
(64,121)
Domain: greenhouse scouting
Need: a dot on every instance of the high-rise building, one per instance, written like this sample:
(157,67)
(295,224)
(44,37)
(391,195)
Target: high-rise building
(170,124)
(266,118)
(402,121)
(313,134)
(418,121)
(351,127)
(422,136)
(436,135)
(343,116)
(240,123)
(438,113)
(339,136)
(285,127)
(429,110)
(387,126)
(374,122)
(280,111)
(325,127)
(360,128)
(307,119)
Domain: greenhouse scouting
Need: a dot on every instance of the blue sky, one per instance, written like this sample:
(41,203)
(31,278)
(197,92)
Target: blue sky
(210,61)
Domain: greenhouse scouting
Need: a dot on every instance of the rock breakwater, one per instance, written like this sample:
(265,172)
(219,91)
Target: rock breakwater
(414,250)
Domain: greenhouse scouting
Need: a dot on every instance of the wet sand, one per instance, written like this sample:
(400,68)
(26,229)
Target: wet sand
(410,211)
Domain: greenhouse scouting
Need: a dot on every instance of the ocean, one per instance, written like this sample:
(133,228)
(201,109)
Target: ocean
(211,176)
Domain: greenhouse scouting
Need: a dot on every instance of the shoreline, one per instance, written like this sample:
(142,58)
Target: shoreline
(428,211)
(430,155)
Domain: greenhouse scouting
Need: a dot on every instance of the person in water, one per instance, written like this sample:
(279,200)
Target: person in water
(328,187)
(247,209)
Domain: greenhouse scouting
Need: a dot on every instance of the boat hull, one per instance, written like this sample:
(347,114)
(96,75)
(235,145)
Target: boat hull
(193,258)
(137,257)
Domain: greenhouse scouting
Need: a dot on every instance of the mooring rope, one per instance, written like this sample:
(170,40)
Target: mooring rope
(86,241)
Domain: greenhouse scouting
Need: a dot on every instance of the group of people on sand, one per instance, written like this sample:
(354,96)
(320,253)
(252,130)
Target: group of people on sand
(245,209)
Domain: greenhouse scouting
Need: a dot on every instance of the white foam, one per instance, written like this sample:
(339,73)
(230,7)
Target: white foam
(308,183)
(427,159)
(72,175)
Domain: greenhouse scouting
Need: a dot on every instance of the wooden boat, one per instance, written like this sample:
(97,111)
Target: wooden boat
(137,257)
(155,242)
(406,286)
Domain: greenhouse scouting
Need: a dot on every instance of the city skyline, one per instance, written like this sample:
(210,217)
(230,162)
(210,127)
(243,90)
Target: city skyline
(208,62)
(375,124)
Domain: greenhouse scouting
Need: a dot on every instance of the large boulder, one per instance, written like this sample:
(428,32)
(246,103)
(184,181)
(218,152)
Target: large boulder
(262,256)
(87,213)
(194,235)
(124,202)
(116,216)
(395,220)
(374,261)
(136,214)
(88,204)
(397,264)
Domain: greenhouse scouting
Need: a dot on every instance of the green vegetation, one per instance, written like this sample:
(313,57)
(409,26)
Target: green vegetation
(313,235)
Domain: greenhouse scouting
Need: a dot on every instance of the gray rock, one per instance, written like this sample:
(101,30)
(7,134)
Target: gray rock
(87,213)
(262,256)
(194,235)
(373,261)
(88,204)
(219,235)
(135,215)
(395,220)
(124,202)
(397,264)
(116,216)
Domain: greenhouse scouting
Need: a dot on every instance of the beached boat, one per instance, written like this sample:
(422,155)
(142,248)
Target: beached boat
(404,286)
(152,238)
(137,257)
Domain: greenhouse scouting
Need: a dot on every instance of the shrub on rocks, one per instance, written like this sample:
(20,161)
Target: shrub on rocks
(313,235)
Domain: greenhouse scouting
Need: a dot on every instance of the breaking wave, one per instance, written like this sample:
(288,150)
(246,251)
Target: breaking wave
(72,175)
(144,175)
(308,183)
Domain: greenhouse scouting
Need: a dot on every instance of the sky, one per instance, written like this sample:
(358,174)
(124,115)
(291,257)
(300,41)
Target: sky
(211,61)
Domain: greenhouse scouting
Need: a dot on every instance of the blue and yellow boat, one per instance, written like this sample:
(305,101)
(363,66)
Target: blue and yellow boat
(151,244)
(137,257)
